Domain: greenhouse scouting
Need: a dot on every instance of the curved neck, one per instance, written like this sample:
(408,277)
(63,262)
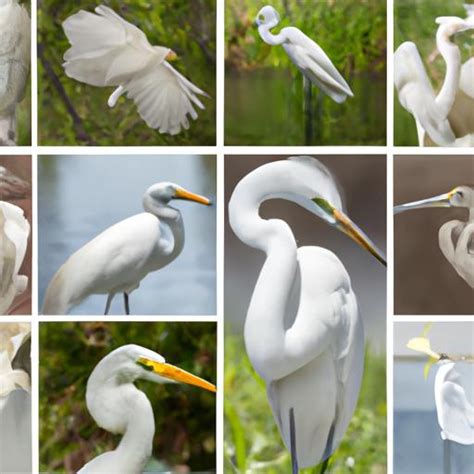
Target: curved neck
(268,36)
(452,56)
(171,224)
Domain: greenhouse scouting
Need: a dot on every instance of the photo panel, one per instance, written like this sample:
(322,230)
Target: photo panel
(16,222)
(433,397)
(131,397)
(433,241)
(300,300)
(127,234)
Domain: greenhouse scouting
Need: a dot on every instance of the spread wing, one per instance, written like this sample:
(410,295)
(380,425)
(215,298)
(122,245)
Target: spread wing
(105,49)
(164,98)
(315,65)
(417,96)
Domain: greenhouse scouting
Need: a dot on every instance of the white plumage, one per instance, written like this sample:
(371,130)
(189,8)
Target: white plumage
(107,51)
(15,44)
(305,54)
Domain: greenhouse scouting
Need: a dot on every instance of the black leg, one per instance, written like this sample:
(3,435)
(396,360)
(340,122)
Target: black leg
(127,305)
(324,466)
(294,459)
(447,456)
(110,297)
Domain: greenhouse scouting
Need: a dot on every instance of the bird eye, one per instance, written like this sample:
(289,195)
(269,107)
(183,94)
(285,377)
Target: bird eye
(460,194)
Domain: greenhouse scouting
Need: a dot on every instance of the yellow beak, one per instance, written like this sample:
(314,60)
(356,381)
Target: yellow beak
(189,196)
(175,373)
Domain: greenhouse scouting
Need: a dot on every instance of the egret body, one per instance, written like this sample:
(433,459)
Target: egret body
(120,257)
(446,118)
(305,54)
(456,238)
(313,369)
(108,51)
(119,407)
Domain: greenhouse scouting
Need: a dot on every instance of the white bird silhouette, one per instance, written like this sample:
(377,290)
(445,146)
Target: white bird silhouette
(313,369)
(445,119)
(119,407)
(15,45)
(106,51)
(305,54)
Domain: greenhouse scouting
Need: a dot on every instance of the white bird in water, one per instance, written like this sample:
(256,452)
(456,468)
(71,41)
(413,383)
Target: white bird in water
(456,238)
(107,51)
(121,256)
(313,369)
(15,46)
(445,119)
(119,407)
(305,54)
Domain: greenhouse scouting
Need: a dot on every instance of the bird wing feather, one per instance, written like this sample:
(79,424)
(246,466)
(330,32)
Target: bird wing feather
(105,49)
(314,63)
(164,98)
(417,96)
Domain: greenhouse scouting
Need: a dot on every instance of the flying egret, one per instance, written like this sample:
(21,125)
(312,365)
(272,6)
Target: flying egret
(119,407)
(456,238)
(121,256)
(445,119)
(455,412)
(108,51)
(15,44)
(305,54)
(313,369)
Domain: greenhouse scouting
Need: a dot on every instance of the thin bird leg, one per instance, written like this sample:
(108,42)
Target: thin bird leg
(324,466)
(447,456)
(294,459)
(127,305)
(115,96)
(110,297)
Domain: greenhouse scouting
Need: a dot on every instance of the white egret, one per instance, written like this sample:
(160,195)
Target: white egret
(15,44)
(445,119)
(305,54)
(121,256)
(107,51)
(456,238)
(119,407)
(313,369)
(454,411)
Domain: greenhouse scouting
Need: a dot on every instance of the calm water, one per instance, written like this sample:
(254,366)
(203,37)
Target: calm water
(81,196)
(265,107)
(418,447)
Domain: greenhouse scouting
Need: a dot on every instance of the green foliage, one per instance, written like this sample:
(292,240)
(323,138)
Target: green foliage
(252,441)
(353,34)
(184,415)
(415,21)
(186,27)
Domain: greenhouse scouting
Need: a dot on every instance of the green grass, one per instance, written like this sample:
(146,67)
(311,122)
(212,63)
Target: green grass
(252,441)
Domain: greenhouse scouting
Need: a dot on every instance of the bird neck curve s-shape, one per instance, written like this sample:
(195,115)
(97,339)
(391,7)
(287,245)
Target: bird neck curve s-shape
(452,57)
(268,37)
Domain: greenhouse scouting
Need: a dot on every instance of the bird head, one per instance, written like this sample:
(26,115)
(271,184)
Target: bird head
(138,362)
(452,25)
(267,16)
(165,192)
(460,196)
(319,194)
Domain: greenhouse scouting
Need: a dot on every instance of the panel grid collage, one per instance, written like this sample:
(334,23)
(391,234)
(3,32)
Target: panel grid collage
(237,236)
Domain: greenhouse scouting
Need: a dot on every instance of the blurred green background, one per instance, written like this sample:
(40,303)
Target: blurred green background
(252,440)
(264,90)
(185,416)
(415,21)
(187,27)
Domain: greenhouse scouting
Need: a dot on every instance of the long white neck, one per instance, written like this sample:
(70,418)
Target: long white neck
(171,223)
(268,36)
(119,407)
(452,56)
(268,346)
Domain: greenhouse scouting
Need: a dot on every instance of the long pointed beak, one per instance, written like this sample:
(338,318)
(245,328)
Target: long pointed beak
(443,200)
(176,374)
(189,196)
(344,224)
